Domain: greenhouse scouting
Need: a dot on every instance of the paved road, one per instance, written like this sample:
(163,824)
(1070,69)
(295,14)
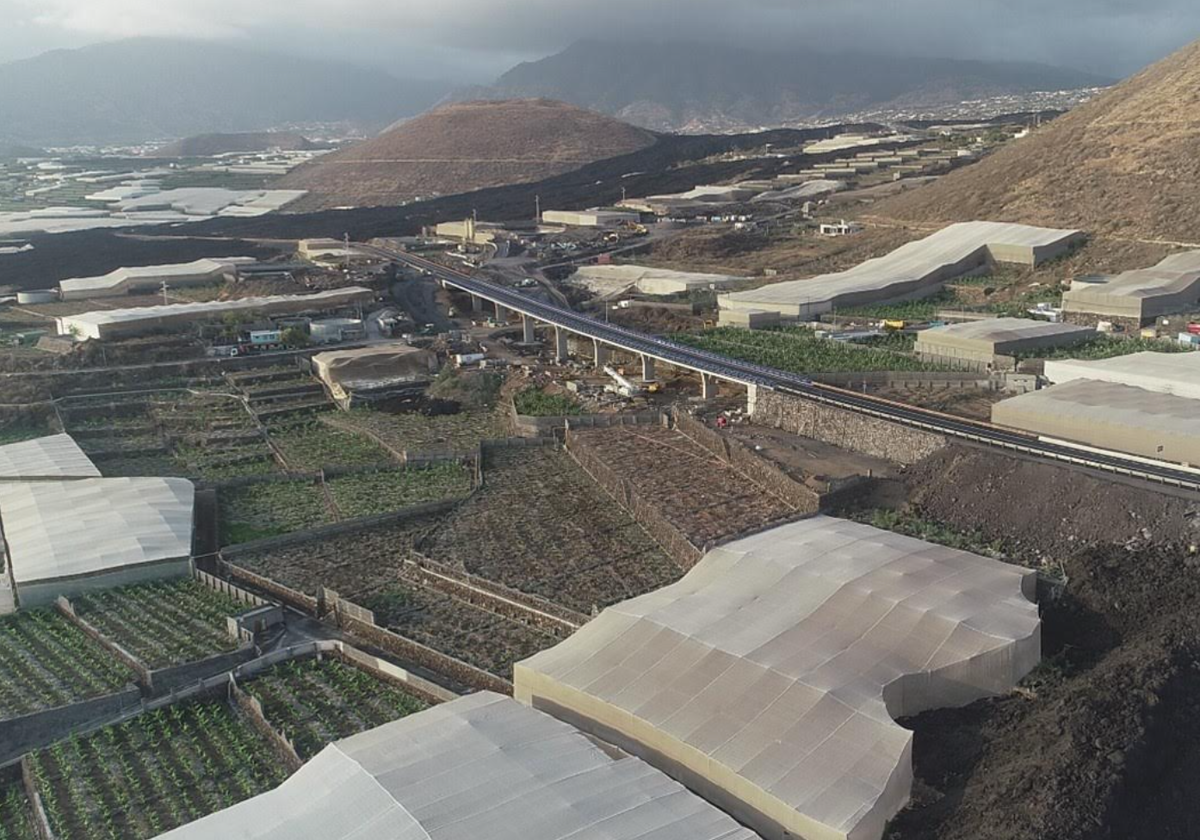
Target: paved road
(747,373)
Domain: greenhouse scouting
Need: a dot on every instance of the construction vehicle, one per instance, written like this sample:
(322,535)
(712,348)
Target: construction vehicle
(893,324)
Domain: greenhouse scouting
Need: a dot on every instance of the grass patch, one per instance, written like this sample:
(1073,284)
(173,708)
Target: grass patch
(796,349)
(535,402)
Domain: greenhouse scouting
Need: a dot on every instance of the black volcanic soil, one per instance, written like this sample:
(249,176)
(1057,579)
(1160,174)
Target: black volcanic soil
(1102,742)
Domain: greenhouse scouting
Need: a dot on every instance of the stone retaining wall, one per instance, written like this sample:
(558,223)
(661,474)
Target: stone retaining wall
(848,429)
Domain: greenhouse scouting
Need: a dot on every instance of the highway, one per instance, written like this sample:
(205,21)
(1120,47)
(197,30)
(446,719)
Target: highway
(714,365)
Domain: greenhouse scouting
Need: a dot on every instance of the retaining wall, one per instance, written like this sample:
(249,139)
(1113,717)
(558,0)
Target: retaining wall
(757,469)
(674,541)
(857,432)
(38,729)
(284,750)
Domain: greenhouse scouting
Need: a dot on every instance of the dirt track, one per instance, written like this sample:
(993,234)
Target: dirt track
(1103,741)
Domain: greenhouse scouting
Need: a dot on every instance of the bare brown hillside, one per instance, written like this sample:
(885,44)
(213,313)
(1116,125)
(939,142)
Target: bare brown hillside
(463,147)
(1125,164)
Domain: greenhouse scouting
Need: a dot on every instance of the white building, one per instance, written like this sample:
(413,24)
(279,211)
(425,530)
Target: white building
(150,278)
(590,218)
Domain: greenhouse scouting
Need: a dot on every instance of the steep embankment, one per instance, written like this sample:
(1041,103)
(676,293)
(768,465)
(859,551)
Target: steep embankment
(1125,164)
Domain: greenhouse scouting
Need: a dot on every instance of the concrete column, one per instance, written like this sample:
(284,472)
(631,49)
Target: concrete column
(501,314)
(647,368)
(560,345)
(529,336)
(602,353)
(476,303)
(708,386)
(751,398)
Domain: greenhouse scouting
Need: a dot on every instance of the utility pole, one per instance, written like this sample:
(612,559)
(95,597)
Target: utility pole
(166,300)
(346,239)
(475,215)
(537,203)
(622,195)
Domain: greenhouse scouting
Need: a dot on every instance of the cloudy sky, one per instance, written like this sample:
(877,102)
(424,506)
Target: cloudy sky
(474,40)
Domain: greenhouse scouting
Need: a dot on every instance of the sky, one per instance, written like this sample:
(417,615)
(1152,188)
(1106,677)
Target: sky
(476,40)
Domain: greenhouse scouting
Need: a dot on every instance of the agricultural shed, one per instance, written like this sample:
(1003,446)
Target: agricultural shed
(150,278)
(649,280)
(374,371)
(1109,415)
(117,323)
(482,766)
(69,536)
(1139,295)
(912,271)
(994,343)
(770,677)
(1165,373)
(55,456)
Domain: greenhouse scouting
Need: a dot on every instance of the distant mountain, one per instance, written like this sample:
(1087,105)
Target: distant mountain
(1126,163)
(206,145)
(462,147)
(702,88)
(147,88)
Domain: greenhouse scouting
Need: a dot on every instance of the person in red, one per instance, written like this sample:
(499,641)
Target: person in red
(722,422)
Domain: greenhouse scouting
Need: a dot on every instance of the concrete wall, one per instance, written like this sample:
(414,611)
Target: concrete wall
(38,729)
(849,430)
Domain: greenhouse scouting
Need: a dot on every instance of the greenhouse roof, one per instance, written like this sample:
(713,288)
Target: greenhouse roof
(56,456)
(58,528)
(482,766)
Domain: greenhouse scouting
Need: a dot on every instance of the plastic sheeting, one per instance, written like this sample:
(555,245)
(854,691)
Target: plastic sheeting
(56,456)
(59,529)
(479,767)
(909,270)
(374,367)
(1165,373)
(1001,335)
(769,677)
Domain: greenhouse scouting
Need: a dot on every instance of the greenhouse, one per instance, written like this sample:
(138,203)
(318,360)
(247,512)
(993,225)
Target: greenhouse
(482,766)
(56,456)
(770,677)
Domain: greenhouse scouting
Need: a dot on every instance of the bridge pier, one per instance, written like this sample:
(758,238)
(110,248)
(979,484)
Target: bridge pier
(501,314)
(528,336)
(647,368)
(560,345)
(708,386)
(476,303)
(603,353)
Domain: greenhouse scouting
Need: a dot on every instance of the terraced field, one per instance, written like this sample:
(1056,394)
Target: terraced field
(316,702)
(163,624)
(542,526)
(45,661)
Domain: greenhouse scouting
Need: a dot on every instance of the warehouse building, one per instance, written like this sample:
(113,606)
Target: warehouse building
(911,272)
(482,766)
(1163,373)
(123,323)
(995,344)
(1136,297)
(150,279)
(769,679)
(595,218)
(368,374)
(649,280)
(1109,415)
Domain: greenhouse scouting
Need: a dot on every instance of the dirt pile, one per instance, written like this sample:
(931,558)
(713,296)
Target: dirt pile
(1127,163)
(1103,740)
(463,147)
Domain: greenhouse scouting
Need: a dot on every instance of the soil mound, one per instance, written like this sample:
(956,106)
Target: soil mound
(464,147)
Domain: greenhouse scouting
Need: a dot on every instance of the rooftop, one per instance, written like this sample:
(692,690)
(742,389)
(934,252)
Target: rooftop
(1166,373)
(213,266)
(1176,274)
(777,666)
(1090,403)
(482,766)
(57,456)
(59,528)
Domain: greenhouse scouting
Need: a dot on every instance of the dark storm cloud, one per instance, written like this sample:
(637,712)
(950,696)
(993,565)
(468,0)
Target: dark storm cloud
(482,37)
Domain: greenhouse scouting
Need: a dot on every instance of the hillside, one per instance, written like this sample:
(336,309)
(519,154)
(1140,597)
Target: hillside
(206,145)
(147,89)
(463,147)
(1125,164)
(703,88)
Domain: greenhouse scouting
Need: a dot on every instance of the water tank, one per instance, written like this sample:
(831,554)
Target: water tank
(33,296)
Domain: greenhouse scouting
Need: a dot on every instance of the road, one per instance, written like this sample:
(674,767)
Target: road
(746,373)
